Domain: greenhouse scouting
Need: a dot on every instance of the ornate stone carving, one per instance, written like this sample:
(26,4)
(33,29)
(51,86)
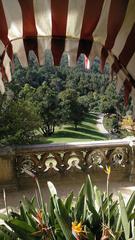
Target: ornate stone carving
(96,158)
(61,161)
(58,159)
(119,157)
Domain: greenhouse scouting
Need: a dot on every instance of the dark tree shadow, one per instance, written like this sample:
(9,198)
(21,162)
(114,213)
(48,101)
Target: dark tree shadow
(92,134)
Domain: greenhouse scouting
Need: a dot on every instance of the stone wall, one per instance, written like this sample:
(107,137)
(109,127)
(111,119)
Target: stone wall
(59,161)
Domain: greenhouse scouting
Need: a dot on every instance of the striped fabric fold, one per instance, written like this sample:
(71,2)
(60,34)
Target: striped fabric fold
(103,28)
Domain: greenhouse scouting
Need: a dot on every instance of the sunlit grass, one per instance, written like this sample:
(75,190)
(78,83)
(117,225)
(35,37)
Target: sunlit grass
(87,131)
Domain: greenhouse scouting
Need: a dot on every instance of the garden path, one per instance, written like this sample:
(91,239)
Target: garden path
(100,125)
(102,129)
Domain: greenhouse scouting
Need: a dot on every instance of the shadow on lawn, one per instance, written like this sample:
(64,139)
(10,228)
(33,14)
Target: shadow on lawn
(94,135)
(83,130)
(84,127)
(91,119)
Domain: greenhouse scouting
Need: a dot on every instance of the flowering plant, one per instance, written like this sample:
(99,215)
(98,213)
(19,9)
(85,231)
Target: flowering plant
(94,215)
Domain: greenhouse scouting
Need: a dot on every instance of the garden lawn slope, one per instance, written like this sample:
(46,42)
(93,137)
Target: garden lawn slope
(87,131)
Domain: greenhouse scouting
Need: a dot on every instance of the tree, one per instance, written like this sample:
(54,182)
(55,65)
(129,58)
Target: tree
(109,100)
(47,101)
(57,94)
(72,107)
(18,122)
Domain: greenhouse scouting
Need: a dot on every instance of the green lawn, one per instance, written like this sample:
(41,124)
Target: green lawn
(86,131)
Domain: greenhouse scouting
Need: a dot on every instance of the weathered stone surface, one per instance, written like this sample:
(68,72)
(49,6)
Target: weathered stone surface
(66,160)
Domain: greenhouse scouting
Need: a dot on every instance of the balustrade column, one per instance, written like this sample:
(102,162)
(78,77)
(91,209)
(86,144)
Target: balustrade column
(7,169)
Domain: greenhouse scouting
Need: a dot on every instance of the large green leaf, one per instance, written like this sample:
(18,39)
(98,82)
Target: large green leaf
(53,193)
(79,210)
(130,204)
(105,202)
(90,192)
(22,225)
(124,217)
(52,189)
(6,234)
(29,205)
(21,228)
(66,229)
(90,235)
(51,212)
(68,202)
(31,220)
(42,203)
(113,208)
(64,212)
(132,216)
(98,198)
(94,216)
(23,211)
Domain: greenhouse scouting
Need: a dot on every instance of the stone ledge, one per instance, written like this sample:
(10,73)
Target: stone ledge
(10,187)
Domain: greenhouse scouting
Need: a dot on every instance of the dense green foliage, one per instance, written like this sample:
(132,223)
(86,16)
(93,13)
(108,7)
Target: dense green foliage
(18,121)
(94,215)
(49,96)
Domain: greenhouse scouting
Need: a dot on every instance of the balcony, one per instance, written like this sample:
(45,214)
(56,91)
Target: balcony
(64,161)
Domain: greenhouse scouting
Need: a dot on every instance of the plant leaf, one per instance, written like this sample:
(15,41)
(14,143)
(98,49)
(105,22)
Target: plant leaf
(130,204)
(68,202)
(124,217)
(90,191)
(66,229)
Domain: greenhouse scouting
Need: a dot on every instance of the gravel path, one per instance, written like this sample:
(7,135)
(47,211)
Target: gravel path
(100,125)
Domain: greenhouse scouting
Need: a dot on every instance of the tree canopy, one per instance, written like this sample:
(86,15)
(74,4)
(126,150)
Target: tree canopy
(42,97)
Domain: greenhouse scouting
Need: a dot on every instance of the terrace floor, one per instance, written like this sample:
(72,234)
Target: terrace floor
(65,185)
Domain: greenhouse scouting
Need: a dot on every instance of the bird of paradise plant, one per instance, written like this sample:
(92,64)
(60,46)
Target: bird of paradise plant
(42,229)
(94,215)
(78,230)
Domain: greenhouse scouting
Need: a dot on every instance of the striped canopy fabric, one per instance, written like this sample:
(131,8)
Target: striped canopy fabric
(104,28)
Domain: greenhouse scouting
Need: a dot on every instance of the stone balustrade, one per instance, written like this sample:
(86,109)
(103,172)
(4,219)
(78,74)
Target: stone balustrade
(47,160)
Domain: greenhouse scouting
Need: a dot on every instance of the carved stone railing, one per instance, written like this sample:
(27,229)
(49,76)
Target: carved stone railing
(47,160)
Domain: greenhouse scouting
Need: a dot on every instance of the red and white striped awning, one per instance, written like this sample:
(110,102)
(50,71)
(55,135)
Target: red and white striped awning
(104,28)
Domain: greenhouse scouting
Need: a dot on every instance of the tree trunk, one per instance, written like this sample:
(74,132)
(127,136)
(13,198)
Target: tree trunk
(53,128)
(44,132)
(75,124)
(48,130)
